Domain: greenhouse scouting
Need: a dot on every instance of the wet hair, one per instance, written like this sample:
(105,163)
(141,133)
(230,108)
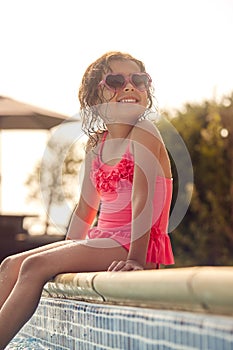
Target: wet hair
(90,95)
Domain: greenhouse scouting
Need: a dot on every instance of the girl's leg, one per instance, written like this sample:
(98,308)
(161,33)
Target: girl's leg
(37,269)
(10,267)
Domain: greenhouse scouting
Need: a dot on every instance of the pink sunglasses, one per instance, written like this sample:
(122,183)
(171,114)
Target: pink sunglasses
(117,81)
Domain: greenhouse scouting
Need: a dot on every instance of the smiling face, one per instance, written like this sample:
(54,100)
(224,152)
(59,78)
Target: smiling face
(124,105)
(100,105)
(129,93)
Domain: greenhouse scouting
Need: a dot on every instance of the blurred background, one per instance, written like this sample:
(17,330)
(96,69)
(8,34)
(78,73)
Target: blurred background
(46,47)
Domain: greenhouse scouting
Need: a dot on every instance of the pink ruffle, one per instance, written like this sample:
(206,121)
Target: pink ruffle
(106,180)
(122,236)
(159,248)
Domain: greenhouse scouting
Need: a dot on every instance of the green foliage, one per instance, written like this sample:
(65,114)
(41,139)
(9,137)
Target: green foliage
(205,235)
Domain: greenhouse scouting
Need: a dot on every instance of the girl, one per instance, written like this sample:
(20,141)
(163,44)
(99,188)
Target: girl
(127,178)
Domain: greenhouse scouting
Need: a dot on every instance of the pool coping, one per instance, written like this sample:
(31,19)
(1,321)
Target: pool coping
(198,289)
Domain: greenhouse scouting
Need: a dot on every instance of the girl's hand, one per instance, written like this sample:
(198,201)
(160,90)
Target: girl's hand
(128,265)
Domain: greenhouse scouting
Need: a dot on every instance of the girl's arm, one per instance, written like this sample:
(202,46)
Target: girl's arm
(150,161)
(87,207)
(146,149)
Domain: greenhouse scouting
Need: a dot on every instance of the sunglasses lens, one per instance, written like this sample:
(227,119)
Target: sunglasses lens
(141,81)
(115,81)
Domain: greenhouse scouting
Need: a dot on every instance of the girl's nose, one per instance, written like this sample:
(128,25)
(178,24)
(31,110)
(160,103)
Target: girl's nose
(129,87)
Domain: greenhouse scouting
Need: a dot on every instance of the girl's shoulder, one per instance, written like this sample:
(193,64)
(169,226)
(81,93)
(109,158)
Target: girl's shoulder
(146,133)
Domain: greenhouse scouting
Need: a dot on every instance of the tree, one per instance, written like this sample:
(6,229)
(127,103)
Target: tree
(53,179)
(205,236)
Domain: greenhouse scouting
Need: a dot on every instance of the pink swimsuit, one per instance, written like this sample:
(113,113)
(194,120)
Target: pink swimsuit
(114,183)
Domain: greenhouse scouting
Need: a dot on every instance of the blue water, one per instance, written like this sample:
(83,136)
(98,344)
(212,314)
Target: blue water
(21,343)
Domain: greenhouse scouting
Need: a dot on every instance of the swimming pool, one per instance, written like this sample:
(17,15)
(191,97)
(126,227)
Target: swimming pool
(90,311)
(65,324)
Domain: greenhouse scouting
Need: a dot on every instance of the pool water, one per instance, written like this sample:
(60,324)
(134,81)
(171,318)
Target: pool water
(22,343)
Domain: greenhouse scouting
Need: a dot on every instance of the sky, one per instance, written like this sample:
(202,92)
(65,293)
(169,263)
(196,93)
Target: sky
(46,45)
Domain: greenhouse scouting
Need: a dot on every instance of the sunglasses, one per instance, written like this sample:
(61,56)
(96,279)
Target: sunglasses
(115,82)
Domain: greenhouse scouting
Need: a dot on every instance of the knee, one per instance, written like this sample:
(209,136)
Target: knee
(31,267)
(5,264)
(10,264)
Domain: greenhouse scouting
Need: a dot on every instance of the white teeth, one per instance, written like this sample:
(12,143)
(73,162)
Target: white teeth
(128,100)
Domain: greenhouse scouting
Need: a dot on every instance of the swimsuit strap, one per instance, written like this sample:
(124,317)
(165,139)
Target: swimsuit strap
(102,145)
(128,147)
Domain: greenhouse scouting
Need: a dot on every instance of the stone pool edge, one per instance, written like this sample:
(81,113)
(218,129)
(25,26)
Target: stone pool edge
(198,289)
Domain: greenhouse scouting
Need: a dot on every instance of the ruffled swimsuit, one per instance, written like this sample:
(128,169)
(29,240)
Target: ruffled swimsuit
(114,184)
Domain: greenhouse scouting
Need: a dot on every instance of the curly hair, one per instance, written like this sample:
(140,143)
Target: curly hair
(90,96)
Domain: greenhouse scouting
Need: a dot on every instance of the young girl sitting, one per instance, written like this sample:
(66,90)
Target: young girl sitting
(127,180)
